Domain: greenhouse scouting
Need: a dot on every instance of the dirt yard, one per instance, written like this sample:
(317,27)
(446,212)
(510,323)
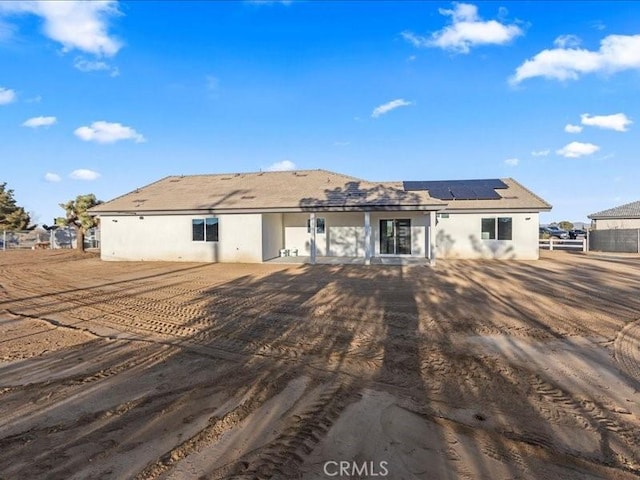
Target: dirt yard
(467,370)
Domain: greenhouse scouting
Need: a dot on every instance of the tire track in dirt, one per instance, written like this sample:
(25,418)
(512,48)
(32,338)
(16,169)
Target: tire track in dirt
(284,455)
(144,358)
(627,350)
(554,403)
(261,392)
(27,436)
(593,416)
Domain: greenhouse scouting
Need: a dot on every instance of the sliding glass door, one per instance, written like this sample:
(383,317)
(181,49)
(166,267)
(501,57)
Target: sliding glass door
(395,237)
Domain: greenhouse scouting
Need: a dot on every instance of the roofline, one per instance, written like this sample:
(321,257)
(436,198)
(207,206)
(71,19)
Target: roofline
(548,206)
(594,216)
(265,172)
(128,193)
(499,210)
(223,211)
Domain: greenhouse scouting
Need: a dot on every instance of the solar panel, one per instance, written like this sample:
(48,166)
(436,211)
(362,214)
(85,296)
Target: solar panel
(463,192)
(481,189)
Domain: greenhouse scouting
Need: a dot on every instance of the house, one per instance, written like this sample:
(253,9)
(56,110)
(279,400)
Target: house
(624,216)
(255,217)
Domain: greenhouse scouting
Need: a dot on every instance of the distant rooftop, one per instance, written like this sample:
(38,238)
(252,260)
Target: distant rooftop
(628,210)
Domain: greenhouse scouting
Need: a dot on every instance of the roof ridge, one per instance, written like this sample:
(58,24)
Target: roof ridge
(528,191)
(263,172)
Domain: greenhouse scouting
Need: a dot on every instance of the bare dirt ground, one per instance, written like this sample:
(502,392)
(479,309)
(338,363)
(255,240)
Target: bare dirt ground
(470,369)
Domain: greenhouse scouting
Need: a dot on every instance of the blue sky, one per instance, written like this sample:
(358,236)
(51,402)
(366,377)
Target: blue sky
(105,97)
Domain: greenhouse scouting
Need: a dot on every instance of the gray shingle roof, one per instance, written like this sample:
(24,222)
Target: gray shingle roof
(300,190)
(628,210)
(284,191)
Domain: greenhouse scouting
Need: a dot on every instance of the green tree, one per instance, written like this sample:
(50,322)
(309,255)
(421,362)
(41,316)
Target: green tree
(566,225)
(77,216)
(12,217)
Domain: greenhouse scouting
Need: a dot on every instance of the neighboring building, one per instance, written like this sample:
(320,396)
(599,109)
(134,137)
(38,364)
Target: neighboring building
(252,217)
(624,216)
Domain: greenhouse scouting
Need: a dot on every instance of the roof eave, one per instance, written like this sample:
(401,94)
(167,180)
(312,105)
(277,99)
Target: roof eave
(310,208)
(613,217)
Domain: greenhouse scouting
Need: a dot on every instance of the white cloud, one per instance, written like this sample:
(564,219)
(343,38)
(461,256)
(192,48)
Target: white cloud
(341,144)
(577,149)
(467,30)
(281,166)
(85,65)
(569,128)
(107,132)
(512,162)
(387,107)
(616,53)
(52,177)
(567,41)
(618,121)
(77,25)
(84,174)
(36,99)
(36,122)
(7,95)
(541,153)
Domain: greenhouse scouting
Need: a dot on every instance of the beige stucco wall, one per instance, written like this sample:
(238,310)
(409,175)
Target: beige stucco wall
(169,237)
(607,224)
(272,235)
(253,238)
(459,236)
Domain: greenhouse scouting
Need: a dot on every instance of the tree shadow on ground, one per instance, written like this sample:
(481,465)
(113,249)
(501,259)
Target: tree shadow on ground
(234,338)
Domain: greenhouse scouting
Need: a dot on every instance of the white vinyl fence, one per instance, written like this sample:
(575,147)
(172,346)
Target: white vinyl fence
(579,244)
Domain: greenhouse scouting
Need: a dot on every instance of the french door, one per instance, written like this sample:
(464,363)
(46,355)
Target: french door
(395,237)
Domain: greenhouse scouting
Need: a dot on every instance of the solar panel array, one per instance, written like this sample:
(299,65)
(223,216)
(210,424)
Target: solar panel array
(459,189)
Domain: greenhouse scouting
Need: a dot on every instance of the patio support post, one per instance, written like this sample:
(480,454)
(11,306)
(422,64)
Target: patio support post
(431,244)
(367,238)
(312,240)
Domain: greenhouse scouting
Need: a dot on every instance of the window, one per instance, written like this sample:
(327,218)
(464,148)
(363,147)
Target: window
(504,228)
(500,228)
(197,227)
(488,229)
(395,237)
(319,225)
(204,229)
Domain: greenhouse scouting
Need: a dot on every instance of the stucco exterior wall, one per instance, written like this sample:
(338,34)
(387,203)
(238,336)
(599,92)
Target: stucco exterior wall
(610,224)
(272,235)
(459,236)
(253,238)
(169,238)
(296,235)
